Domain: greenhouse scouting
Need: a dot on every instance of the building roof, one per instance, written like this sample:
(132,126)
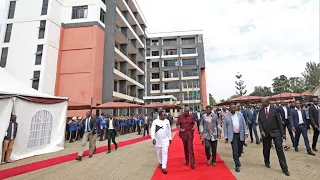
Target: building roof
(174,33)
(160,97)
(314,91)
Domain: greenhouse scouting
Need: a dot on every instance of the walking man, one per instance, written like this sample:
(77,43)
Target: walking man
(146,124)
(161,139)
(299,125)
(314,119)
(111,131)
(285,116)
(186,126)
(210,130)
(251,111)
(89,125)
(235,132)
(8,140)
(271,128)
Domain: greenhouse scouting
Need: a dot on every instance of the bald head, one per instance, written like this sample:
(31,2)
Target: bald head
(265,101)
(315,101)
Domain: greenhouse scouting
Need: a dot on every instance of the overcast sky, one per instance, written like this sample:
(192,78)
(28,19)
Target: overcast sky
(261,39)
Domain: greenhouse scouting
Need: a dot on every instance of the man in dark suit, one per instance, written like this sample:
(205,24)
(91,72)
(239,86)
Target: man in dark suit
(314,118)
(89,124)
(8,140)
(285,117)
(271,128)
(111,132)
(252,115)
(299,125)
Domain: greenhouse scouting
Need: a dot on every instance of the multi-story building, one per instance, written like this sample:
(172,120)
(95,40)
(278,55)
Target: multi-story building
(87,50)
(176,66)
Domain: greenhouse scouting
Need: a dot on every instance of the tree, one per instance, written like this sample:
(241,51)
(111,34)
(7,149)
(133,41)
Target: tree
(234,96)
(311,75)
(262,91)
(240,85)
(212,101)
(222,100)
(297,85)
(281,84)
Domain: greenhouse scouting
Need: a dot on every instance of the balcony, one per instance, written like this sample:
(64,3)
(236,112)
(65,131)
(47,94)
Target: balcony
(121,76)
(120,57)
(120,96)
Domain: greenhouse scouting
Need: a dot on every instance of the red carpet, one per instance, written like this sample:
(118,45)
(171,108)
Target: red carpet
(61,159)
(177,170)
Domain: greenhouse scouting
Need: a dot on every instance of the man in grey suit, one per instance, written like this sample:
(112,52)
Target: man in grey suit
(271,128)
(235,132)
(89,126)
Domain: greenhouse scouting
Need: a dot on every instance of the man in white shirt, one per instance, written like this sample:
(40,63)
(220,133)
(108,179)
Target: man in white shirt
(299,125)
(161,139)
(111,131)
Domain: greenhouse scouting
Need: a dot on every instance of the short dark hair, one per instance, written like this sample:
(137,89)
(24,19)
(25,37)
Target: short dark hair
(161,112)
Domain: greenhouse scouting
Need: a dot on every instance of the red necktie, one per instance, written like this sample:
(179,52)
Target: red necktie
(267,112)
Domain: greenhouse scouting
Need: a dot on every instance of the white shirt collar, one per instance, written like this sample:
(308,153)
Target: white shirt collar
(297,109)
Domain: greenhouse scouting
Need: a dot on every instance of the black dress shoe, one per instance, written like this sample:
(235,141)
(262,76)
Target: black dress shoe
(287,173)
(311,153)
(109,152)
(90,156)
(116,147)
(79,158)
(258,142)
(314,149)
(296,149)
(237,169)
(193,166)
(267,165)
(187,163)
(164,171)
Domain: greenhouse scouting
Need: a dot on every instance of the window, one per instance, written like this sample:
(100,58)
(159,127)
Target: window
(189,51)
(155,65)
(155,53)
(171,85)
(44,9)
(170,52)
(189,62)
(12,8)
(171,74)
(170,63)
(169,41)
(104,1)
(155,76)
(36,80)
(115,86)
(40,129)
(192,95)
(39,54)
(102,14)
(42,29)
(79,12)
(191,84)
(191,72)
(188,40)
(155,87)
(7,35)
(4,57)
(155,42)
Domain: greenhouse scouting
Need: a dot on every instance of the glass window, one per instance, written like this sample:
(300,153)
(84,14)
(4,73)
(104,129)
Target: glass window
(170,52)
(169,41)
(102,14)
(189,62)
(188,40)
(155,42)
(155,76)
(191,95)
(190,72)
(155,64)
(12,8)
(189,51)
(170,63)
(4,57)
(7,35)
(155,53)
(36,80)
(171,85)
(79,12)
(155,87)
(171,74)
(39,54)
(42,29)
(44,9)
(191,84)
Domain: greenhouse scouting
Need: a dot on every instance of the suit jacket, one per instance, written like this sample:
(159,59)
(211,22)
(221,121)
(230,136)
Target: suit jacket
(271,125)
(114,123)
(250,115)
(294,118)
(282,113)
(245,115)
(93,124)
(9,131)
(228,127)
(314,115)
(254,116)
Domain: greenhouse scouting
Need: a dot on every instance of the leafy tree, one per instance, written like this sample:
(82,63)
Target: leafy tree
(297,84)
(281,84)
(222,100)
(234,96)
(240,85)
(311,75)
(262,91)
(212,101)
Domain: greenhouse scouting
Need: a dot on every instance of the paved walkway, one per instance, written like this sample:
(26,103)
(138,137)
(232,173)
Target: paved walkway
(138,161)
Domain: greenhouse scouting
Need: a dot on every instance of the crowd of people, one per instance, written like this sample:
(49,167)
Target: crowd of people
(236,122)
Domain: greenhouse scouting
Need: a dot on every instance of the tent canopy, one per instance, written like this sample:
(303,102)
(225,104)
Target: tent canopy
(162,105)
(78,106)
(285,95)
(117,105)
(11,86)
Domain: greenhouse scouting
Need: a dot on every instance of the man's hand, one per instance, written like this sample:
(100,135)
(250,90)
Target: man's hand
(284,137)
(154,142)
(170,142)
(226,140)
(263,134)
(247,135)
(294,129)
(181,129)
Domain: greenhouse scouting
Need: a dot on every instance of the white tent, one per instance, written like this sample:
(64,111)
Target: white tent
(40,117)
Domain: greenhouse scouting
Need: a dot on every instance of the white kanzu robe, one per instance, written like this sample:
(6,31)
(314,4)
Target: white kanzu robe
(161,132)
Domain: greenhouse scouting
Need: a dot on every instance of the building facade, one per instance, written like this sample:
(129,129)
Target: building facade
(176,66)
(87,50)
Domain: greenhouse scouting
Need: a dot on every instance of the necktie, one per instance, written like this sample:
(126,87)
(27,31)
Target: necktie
(267,112)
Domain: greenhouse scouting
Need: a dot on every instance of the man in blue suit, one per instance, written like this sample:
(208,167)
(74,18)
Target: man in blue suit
(252,115)
(235,132)
(285,116)
(299,125)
